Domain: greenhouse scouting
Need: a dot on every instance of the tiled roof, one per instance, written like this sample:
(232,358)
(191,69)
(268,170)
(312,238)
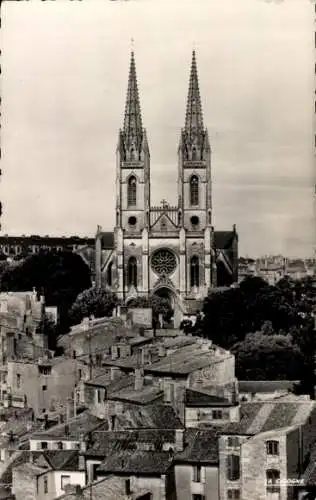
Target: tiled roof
(223,239)
(154,416)
(201,446)
(137,462)
(146,395)
(265,386)
(196,398)
(82,424)
(267,416)
(185,360)
(109,488)
(104,442)
(62,459)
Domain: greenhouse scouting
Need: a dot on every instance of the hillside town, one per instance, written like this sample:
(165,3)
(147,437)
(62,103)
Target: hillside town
(128,411)
(152,360)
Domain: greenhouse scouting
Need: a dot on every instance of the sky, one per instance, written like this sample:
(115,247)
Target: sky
(64,78)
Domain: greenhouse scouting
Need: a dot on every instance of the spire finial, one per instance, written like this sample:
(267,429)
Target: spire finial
(132,119)
(132,44)
(194,117)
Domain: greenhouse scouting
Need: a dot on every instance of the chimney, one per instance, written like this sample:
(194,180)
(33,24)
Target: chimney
(161,350)
(139,379)
(10,345)
(78,491)
(114,352)
(83,443)
(85,324)
(112,422)
(179,439)
(128,490)
(31,458)
(114,373)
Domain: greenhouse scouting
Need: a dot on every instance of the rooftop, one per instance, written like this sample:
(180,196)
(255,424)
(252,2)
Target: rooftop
(137,462)
(109,488)
(267,416)
(199,398)
(201,446)
(81,424)
(104,442)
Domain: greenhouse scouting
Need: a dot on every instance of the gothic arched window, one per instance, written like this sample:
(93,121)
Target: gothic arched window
(109,274)
(194,190)
(195,271)
(132,272)
(194,154)
(131,191)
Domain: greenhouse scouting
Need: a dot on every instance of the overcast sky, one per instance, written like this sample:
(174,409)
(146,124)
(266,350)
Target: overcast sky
(64,77)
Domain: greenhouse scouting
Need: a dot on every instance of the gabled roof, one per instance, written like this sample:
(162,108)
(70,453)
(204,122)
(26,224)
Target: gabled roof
(81,424)
(137,462)
(62,459)
(201,446)
(267,416)
(196,398)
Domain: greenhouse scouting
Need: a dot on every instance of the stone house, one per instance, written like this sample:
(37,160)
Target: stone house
(47,474)
(265,454)
(196,467)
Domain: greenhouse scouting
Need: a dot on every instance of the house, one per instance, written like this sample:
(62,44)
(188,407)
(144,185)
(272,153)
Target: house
(202,408)
(196,467)
(176,364)
(265,454)
(42,384)
(94,335)
(47,474)
(65,436)
(109,488)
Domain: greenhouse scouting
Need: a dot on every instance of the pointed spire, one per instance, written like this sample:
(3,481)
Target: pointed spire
(194,117)
(132,118)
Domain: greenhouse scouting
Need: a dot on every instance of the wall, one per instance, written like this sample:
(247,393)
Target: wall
(59,384)
(194,416)
(35,444)
(185,487)
(255,462)
(24,485)
(220,371)
(157,485)
(75,478)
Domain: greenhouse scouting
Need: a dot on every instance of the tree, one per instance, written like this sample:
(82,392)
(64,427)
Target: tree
(268,357)
(159,305)
(60,276)
(47,327)
(97,302)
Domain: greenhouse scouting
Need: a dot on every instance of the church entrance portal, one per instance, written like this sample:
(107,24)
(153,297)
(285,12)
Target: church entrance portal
(171,318)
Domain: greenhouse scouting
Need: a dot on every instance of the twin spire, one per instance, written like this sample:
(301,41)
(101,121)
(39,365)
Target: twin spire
(133,119)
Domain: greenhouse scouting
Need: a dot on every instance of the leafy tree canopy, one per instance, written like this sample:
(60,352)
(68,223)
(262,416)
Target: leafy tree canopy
(60,276)
(159,305)
(267,357)
(97,302)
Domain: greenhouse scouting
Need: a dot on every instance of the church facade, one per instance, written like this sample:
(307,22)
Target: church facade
(172,251)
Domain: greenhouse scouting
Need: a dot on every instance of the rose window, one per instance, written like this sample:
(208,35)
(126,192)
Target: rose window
(163,262)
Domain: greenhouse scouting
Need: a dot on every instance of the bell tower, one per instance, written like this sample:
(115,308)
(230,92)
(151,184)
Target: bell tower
(133,164)
(194,163)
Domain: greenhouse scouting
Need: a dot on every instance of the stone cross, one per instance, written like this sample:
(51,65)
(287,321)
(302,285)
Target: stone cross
(164,204)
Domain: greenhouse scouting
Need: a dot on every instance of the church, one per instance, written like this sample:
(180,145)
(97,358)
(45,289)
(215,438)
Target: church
(172,251)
